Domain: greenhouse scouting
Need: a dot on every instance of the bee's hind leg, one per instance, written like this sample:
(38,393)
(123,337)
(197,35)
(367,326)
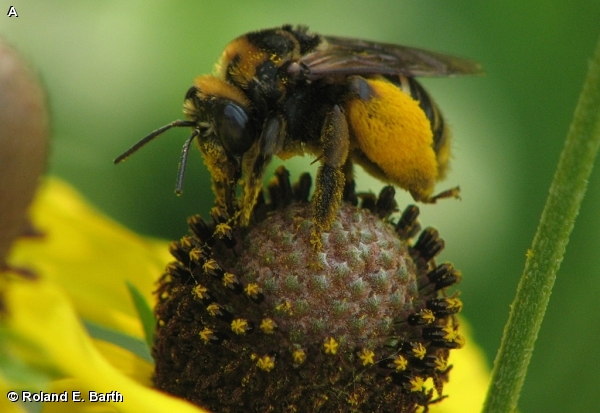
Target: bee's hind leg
(330,181)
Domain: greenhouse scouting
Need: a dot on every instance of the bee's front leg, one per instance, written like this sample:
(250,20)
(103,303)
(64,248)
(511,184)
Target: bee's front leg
(330,176)
(225,171)
(255,161)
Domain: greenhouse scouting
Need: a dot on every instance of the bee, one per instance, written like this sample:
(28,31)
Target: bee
(286,92)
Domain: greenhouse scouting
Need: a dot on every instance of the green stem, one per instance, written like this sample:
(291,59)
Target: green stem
(546,254)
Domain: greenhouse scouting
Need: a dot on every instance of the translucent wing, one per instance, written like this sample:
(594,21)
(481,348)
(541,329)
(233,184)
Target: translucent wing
(339,56)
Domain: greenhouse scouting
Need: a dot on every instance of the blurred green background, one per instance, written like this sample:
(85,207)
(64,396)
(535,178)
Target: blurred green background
(117,70)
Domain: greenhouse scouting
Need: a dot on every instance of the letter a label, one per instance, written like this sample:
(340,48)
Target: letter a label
(12,12)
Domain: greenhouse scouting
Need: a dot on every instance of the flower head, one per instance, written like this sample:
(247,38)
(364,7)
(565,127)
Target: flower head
(257,319)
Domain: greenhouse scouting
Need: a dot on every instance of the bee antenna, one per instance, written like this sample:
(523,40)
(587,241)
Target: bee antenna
(183,162)
(138,145)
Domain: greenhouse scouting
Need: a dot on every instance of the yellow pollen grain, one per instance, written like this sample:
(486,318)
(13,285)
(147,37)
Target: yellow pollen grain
(213,309)
(428,316)
(367,357)
(266,363)
(419,351)
(210,265)
(401,363)
(195,254)
(200,291)
(186,242)
(416,383)
(450,333)
(299,356)
(206,334)
(284,307)
(440,364)
(268,326)
(239,326)
(252,289)
(454,303)
(330,345)
(222,229)
(229,279)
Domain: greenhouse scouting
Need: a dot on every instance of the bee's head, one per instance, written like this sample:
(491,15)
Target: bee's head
(220,113)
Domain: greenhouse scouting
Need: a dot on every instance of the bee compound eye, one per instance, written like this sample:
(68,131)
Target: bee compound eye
(191,93)
(232,128)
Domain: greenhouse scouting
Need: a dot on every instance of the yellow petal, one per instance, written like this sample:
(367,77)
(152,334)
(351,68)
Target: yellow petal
(90,256)
(469,378)
(44,331)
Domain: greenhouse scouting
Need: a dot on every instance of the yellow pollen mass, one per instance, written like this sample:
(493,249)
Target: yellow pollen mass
(213,309)
(454,303)
(266,363)
(173,245)
(187,242)
(529,254)
(450,333)
(416,383)
(206,334)
(440,364)
(419,351)
(215,211)
(195,254)
(229,279)
(367,357)
(401,363)
(284,307)
(222,228)
(239,326)
(330,345)
(252,289)
(201,291)
(299,356)
(268,326)
(210,265)
(393,132)
(428,316)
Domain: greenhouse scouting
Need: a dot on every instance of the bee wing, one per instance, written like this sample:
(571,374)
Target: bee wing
(339,56)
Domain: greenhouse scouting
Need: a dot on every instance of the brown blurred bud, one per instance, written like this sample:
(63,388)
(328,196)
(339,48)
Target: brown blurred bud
(24,132)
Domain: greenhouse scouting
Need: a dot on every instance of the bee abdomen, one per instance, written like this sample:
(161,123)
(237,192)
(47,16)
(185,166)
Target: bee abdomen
(439,130)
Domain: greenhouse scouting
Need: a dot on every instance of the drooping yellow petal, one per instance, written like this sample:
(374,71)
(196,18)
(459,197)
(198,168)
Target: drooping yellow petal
(90,256)
(127,363)
(45,332)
